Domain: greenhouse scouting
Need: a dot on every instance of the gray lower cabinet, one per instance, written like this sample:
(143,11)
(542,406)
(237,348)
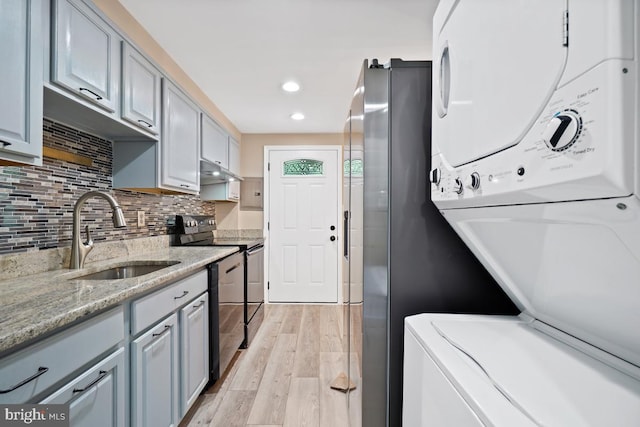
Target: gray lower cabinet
(154,376)
(180,141)
(194,348)
(21,79)
(97,396)
(140,90)
(169,351)
(85,54)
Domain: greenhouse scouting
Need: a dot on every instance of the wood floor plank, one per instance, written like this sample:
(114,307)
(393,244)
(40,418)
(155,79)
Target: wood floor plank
(333,403)
(355,396)
(205,412)
(291,318)
(234,409)
(307,359)
(303,403)
(331,328)
(255,358)
(271,399)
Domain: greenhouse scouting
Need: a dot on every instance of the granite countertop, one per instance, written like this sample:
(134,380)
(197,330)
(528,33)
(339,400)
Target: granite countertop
(36,305)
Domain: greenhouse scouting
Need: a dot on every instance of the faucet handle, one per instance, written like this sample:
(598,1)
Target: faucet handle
(89,242)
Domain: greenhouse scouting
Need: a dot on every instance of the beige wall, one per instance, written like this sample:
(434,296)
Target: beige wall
(252,164)
(132,28)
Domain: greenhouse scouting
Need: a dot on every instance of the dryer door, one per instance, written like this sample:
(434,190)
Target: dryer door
(497,62)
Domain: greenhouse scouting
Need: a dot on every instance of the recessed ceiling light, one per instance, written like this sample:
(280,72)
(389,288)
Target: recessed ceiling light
(291,86)
(297,116)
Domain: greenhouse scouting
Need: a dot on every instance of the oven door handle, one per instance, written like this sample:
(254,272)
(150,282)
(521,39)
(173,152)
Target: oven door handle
(255,250)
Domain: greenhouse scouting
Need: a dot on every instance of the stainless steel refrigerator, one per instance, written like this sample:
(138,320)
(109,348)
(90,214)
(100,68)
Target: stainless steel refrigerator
(400,255)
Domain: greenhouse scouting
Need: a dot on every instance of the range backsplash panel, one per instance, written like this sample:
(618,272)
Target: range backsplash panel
(36,202)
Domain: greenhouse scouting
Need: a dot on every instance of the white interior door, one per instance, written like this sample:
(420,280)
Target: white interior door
(303,225)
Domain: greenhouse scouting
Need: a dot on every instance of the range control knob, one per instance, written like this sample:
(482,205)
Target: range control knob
(473,181)
(563,130)
(435,176)
(457,186)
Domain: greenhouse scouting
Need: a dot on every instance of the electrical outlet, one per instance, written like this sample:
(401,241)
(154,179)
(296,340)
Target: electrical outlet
(140,218)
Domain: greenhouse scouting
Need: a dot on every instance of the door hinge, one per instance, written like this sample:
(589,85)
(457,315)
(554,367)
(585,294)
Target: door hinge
(565,29)
(268,166)
(268,285)
(268,226)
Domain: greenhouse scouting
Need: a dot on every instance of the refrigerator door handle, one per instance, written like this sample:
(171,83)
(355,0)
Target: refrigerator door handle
(345,228)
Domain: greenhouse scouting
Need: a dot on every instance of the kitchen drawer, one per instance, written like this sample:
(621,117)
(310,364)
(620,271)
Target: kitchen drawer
(148,310)
(97,396)
(54,358)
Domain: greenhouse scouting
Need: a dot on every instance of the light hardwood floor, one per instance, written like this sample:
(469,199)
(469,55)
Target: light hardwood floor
(283,378)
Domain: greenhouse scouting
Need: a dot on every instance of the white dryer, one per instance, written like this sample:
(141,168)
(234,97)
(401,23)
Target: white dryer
(535,162)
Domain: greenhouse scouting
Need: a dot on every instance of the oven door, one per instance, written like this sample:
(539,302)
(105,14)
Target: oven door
(255,290)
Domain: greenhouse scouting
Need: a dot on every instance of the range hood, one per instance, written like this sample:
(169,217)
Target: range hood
(211,173)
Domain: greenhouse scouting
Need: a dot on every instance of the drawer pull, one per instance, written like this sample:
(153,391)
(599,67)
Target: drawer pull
(84,89)
(184,294)
(41,370)
(94,382)
(199,305)
(144,122)
(166,327)
(5,143)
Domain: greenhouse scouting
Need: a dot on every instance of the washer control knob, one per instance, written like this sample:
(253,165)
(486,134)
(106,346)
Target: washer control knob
(457,186)
(435,176)
(563,130)
(473,181)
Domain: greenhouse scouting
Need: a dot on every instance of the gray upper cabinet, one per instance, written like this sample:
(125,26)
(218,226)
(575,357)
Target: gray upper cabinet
(85,54)
(234,157)
(180,141)
(214,143)
(21,78)
(140,90)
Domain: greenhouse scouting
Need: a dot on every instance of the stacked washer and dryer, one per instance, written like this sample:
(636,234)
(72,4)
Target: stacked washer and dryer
(536,159)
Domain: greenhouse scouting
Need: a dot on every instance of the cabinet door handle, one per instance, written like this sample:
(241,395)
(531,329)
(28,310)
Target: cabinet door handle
(166,328)
(41,371)
(147,124)
(92,383)
(5,143)
(199,305)
(84,89)
(184,294)
(185,185)
(218,162)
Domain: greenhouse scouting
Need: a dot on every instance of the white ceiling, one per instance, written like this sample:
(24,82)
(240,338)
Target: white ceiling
(240,51)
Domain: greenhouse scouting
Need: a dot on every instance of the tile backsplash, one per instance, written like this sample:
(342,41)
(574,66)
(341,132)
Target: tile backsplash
(36,202)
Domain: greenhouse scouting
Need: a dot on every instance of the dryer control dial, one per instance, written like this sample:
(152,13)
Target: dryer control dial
(473,181)
(563,130)
(457,186)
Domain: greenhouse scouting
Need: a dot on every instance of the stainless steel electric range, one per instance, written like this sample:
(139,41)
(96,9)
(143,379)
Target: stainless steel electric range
(197,230)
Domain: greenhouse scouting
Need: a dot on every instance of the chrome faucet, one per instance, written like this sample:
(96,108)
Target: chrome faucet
(80,250)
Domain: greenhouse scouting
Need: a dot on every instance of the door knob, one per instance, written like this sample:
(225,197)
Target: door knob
(332,238)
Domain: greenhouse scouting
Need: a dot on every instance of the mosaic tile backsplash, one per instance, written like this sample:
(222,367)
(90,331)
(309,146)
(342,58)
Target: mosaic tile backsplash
(36,202)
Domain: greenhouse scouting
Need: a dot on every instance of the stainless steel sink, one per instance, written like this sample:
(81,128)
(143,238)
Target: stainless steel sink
(125,271)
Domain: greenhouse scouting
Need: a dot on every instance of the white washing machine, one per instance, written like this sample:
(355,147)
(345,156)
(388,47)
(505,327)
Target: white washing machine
(536,160)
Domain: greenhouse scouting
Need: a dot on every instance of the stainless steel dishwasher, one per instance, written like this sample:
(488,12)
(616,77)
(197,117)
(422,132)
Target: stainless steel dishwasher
(255,291)
(230,308)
